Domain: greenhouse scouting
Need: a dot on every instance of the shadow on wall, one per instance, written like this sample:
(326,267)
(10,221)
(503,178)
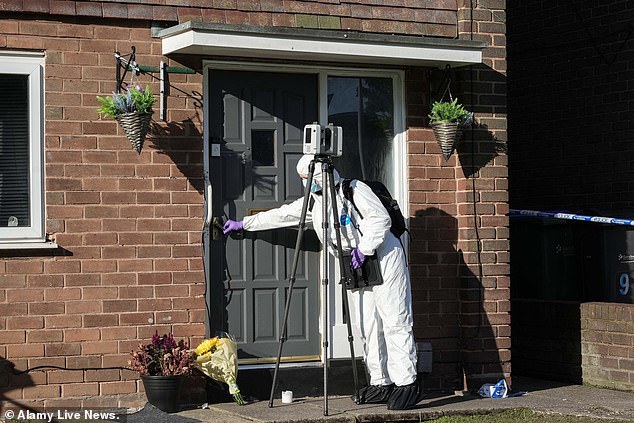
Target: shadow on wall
(182,142)
(9,381)
(449,304)
(478,147)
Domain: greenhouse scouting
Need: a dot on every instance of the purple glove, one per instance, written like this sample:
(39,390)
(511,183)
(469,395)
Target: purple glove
(232,226)
(357,258)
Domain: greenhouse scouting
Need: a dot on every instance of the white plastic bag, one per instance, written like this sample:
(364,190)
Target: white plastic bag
(489,390)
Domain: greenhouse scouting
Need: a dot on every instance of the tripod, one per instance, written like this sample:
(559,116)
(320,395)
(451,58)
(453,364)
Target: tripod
(328,193)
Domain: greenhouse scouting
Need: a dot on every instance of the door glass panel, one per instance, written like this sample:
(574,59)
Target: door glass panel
(263,145)
(364,108)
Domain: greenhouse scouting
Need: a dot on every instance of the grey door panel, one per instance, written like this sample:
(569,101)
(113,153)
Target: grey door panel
(258,119)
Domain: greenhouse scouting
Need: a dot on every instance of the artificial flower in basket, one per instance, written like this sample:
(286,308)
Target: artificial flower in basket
(448,119)
(217,358)
(162,365)
(133,110)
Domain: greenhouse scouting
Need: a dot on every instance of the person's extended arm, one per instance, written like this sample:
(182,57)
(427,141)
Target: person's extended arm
(281,217)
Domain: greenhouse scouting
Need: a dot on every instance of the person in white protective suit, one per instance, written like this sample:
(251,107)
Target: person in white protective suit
(385,311)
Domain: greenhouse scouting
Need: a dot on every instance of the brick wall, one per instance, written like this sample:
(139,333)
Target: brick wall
(129,225)
(607,345)
(431,18)
(570,111)
(458,208)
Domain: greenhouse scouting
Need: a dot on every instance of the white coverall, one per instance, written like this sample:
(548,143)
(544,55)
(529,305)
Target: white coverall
(385,310)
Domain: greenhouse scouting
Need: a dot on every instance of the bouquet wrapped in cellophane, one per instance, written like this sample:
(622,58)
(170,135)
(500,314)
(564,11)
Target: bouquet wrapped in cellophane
(217,358)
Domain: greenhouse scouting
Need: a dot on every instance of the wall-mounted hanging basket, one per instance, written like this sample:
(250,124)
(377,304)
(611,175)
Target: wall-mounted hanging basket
(135,125)
(447,136)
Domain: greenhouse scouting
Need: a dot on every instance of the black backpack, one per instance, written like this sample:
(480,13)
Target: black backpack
(398,221)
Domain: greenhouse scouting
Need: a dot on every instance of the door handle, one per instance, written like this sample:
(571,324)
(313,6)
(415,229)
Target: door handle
(245,157)
(216,228)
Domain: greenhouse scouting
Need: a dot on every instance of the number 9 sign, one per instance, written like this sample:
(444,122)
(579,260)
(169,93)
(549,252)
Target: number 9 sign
(624,284)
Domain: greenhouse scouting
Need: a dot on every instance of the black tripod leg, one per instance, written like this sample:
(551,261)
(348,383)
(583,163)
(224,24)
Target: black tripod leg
(342,272)
(287,306)
(324,310)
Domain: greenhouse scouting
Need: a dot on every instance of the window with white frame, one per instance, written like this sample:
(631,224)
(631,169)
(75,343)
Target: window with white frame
(21,145)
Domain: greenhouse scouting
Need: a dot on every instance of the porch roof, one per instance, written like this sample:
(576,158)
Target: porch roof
(206,39)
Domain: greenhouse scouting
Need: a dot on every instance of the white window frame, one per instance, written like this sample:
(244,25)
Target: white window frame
(34,236)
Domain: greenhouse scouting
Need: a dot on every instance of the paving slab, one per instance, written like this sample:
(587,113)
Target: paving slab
(542,396)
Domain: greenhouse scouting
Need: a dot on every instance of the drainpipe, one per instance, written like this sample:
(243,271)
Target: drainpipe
(206,240)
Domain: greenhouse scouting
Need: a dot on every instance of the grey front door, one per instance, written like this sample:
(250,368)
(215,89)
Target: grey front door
(258,119)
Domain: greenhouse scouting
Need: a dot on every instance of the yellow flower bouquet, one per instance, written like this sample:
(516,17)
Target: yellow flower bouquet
(217,358)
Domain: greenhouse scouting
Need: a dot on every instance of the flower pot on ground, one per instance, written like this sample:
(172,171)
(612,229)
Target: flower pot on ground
(163,365)
(133,110)
(447,120)
(163,392)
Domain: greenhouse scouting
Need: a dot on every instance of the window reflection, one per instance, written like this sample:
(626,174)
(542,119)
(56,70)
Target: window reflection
(364,107)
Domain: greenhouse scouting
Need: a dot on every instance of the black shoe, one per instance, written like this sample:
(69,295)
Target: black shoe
(373,394)
(405,397)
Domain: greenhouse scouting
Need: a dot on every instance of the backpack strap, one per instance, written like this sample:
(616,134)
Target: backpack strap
(348,194)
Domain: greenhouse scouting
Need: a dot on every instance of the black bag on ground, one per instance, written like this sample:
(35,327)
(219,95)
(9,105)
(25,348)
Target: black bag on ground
(367,275)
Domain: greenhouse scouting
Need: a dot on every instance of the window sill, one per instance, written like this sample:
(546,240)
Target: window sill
(28,245)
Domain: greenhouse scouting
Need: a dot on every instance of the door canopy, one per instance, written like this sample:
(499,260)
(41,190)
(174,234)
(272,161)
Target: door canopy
(317,45)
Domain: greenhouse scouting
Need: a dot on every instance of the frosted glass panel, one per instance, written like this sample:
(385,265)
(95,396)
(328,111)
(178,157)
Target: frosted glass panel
(364,107)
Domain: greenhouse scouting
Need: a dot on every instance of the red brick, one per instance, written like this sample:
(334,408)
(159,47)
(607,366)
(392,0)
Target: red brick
(24,295)
(139,11)
(83,307)
(88,9)
(101,292)
(64,377)
(24,322)
(42,391)
(11,5)
(101,320)
(118,306)
(13,337)
(25,350)
(15,309)
(101,347)
(80,389)
(154,278)
(164,13)
(62,321)
(144,318)
(82,280)
(75,335)
(24,267)
(99,266)
(112,388)
(47,335)
(12,281)
(115,10)
(64,266)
